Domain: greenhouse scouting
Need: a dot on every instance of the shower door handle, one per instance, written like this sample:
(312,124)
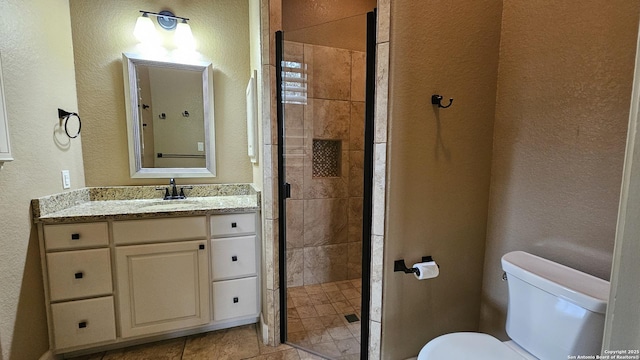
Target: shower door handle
(286,190)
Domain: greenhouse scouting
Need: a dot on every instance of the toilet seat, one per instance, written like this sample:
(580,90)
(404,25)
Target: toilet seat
(467,345)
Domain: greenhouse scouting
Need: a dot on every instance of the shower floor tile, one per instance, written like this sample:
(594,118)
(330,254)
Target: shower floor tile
(326,330)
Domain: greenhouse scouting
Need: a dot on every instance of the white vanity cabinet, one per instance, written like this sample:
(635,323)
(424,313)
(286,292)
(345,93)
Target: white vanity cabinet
(78,277)
(126,281)
(234,267)
(163,285)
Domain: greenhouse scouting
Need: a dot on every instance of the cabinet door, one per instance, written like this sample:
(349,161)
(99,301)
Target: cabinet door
(162,287)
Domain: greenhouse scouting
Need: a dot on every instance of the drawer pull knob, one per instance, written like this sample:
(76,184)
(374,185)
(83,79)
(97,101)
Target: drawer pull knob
(79,275)
(75,236)
(235,300)
(234,258)
(234,225)
(82,325)
(201,247)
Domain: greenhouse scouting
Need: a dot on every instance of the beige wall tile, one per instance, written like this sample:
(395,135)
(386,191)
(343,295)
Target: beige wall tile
(325,264)
(329,72)
(356,131)
(375,335)
(295,267)
(358,75)
(294,174)
(379,186)
(354,254)
(356,173)
(294,129)
(382,93)
(355,219)
(325,222)
(295,224)
(328,119)
(384,17)
(377,246)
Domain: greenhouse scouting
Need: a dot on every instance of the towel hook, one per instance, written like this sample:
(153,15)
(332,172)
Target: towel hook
(437,100)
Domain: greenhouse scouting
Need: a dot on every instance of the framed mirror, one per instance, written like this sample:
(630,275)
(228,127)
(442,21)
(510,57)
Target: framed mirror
(170,121)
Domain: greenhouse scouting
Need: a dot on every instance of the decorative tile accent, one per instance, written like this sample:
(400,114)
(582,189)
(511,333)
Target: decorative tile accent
(326,158)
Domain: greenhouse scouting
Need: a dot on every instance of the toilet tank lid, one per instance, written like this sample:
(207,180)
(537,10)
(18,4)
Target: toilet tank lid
(582,289)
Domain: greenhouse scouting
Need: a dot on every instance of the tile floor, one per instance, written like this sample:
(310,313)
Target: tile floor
(231,344)
(316,318)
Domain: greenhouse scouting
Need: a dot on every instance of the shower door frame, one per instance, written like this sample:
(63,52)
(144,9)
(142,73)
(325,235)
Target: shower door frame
(284,188)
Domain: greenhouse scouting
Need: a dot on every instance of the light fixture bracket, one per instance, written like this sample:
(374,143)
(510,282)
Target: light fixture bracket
(167,20)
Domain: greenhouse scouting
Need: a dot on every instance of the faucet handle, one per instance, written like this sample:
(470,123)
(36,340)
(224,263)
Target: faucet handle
(172,181)
(166,192)
(182,195)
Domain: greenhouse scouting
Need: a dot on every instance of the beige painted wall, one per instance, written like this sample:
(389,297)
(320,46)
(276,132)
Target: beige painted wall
(562,110)
(102,30)
(438,166)
(39,77)
(298,14)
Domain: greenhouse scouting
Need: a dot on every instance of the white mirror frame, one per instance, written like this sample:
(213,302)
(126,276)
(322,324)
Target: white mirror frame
(129,61)
(5,145)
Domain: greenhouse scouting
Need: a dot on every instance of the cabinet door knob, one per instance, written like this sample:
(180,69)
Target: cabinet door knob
(82,324)
(79,275)
(234,225)
(75,236)
(235,300)
(201,247)
(234,258)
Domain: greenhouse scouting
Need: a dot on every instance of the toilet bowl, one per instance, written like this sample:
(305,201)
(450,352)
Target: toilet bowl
(470,345)
(554,312)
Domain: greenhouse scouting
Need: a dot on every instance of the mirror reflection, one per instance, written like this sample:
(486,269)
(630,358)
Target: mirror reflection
(172,117)
(169,117)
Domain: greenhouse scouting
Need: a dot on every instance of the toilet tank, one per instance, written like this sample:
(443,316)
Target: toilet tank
(554,311)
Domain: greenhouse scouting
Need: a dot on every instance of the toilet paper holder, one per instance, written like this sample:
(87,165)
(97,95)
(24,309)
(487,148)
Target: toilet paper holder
(399,265)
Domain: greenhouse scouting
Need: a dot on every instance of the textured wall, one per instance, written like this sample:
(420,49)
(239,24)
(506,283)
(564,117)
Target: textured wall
(103,30)
(38,72)
(562,111)
(438,166)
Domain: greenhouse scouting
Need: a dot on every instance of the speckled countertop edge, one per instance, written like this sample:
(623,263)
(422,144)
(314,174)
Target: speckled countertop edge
(137,202)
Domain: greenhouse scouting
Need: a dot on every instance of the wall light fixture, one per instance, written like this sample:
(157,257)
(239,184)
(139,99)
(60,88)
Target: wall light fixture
(145,30)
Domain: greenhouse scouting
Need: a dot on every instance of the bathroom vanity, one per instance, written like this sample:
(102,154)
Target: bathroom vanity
(122,267)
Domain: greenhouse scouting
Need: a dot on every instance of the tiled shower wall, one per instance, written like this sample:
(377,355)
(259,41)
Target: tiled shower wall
(324,213)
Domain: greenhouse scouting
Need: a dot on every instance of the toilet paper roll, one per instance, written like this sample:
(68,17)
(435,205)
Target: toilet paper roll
(427,270)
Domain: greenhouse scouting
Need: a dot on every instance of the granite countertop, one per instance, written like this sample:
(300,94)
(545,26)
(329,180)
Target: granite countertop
(140,202)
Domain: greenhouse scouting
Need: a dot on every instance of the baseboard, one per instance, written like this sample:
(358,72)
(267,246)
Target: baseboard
(48,356)
(264,330)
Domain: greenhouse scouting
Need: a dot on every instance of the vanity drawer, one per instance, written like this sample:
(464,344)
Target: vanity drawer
(233,224)
(233,257)
(73,236)
(154,230)
(76,274)
(235,298)
(83,322)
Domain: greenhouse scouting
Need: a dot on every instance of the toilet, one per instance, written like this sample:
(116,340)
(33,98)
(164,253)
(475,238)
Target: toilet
(554,311)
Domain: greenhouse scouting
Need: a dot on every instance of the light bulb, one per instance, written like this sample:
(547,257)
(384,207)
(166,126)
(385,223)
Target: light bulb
(145,31)
(183,37)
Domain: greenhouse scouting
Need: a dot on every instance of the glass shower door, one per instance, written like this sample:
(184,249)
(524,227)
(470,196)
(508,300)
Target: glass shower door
(322,162)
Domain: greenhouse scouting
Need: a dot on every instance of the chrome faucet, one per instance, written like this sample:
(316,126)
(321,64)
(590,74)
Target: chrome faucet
(173,194)
(174,191)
